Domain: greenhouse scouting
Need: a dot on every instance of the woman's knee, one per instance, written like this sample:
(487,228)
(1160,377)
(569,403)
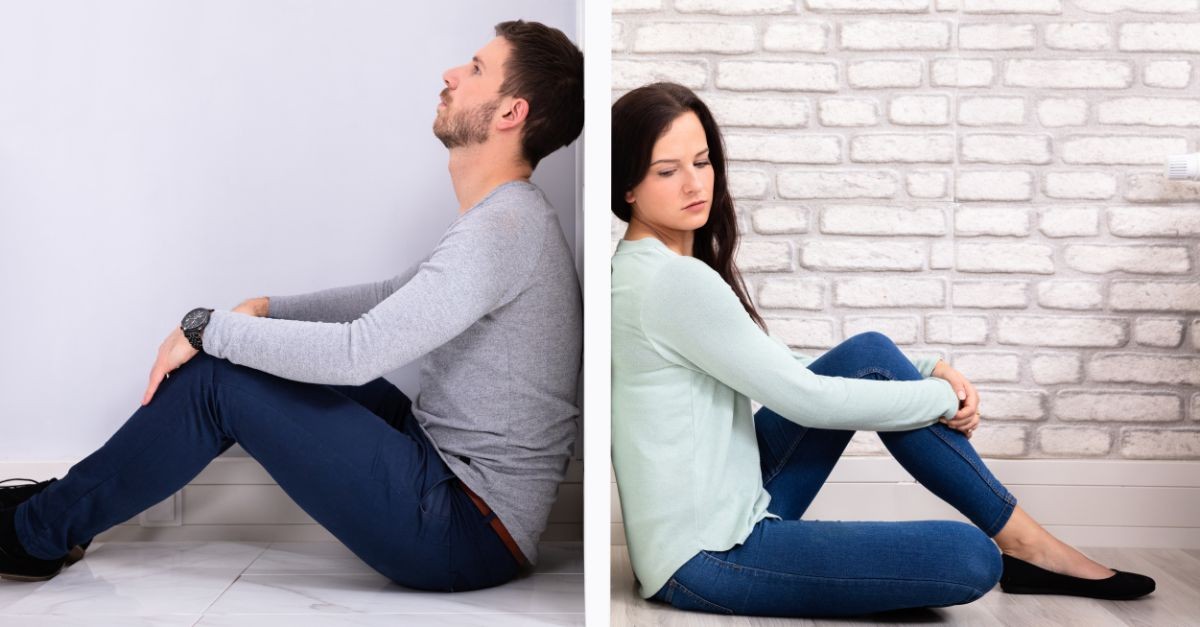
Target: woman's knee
(873,339)
(978,559)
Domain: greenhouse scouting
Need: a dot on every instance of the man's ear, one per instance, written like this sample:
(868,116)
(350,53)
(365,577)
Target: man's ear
(514,114)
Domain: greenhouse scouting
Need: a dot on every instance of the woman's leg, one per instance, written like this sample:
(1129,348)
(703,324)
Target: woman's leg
(839,568)
(377,485)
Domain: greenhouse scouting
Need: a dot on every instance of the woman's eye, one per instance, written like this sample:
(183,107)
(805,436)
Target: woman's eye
(666,172)
(703,164)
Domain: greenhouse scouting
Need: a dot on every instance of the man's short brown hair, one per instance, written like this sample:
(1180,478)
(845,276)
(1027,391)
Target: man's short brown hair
(545,69)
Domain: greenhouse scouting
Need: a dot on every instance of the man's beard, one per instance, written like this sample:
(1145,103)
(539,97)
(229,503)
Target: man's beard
(465,128)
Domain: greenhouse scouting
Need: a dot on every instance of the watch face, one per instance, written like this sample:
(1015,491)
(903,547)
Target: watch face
(194,318)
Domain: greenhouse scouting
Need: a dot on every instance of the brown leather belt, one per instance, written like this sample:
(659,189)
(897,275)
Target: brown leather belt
(497,526)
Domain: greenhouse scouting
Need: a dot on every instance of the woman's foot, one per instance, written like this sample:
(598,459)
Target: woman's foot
(1026,540)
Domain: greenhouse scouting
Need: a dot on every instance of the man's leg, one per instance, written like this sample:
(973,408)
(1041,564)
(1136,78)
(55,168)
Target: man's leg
(384,494)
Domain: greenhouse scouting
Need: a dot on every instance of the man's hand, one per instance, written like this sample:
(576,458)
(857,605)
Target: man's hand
(254,307)
(967,418)
(174,352)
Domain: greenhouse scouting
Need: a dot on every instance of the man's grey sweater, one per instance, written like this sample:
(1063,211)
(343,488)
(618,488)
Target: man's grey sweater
(496,311)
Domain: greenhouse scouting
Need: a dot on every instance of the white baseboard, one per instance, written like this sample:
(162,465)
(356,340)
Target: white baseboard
(1095,502)
(235,499)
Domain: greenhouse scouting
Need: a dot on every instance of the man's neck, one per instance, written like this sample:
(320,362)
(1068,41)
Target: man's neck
(477,170)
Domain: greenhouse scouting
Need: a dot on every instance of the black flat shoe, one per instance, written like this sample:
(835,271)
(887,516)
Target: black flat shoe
(1021,577)
(13,495)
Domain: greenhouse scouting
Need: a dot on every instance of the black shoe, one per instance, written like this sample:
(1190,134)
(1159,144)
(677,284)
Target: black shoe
(15,563)
(1021,577)
(13,495)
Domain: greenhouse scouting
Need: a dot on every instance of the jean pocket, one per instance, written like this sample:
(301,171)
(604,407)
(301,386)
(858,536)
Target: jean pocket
(680,597)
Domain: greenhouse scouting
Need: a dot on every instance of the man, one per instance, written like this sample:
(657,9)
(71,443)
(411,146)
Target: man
(449,491)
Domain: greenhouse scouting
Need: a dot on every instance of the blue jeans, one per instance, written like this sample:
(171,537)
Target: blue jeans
(352,457)
(793,567)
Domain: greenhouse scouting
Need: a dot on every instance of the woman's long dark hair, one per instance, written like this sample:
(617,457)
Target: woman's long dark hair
(639,119)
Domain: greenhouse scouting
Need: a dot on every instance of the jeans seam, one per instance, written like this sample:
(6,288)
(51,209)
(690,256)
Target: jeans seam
(787,455)
(875,370)
(735,567)
(685,590)
(1005,497)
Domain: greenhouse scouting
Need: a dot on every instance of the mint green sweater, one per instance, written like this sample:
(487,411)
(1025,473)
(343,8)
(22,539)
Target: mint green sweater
(686,360)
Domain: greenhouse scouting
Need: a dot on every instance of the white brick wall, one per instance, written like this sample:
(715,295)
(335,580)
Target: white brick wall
(977,179)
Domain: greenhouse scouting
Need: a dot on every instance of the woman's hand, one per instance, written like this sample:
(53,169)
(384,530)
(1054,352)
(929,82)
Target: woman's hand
(174,352)
(966,419)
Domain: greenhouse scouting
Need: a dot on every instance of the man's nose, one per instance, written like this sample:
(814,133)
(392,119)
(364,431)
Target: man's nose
(450,77)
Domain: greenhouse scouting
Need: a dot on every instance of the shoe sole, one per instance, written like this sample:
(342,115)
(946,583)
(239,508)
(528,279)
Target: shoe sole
(15,577)
(76,554)
(1024,590)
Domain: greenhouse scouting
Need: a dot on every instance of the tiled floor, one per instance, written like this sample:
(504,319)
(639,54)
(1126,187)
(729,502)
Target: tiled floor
(298,584)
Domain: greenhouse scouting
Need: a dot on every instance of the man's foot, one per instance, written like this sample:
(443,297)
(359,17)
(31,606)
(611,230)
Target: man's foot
(17,493)
(15,563)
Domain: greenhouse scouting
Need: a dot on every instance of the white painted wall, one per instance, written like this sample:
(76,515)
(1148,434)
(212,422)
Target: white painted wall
(159,156)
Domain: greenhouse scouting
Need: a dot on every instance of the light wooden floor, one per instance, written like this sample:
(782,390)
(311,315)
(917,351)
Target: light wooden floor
(1175,601)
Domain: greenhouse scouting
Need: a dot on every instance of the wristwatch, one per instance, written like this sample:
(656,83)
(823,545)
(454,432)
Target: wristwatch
(193,326)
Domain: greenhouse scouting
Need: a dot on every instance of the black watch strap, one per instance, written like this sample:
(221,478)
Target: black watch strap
(193,326)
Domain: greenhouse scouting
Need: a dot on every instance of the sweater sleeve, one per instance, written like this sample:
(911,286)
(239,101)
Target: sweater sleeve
(480,264)
(696,320)
(337,304)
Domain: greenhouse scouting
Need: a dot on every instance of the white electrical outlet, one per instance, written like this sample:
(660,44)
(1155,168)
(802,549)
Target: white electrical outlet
(167,513)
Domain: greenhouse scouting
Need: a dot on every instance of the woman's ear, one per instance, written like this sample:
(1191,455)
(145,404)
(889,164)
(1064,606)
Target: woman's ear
(515,114)
(629,197)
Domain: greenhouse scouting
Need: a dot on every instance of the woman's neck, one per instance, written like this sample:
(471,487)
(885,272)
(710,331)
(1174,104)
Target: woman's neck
(678,241)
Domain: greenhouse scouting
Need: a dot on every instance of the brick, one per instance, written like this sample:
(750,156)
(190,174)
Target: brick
(1160,443)
(864,443)
(1161,332)
(1121,149)
(895,35)
(1012,6)
(1056,112)
(858,255)
(1080,185)
(1154,296)
(1196,406)
(947,5)
(1074,441)
(997,404)
(1051,368)
(780,219)
(991,221)
(897,148)
(803,332)
(1150,111)
(1138,6)
(792,293)
(900,329)
(1157,188)
(996,36)
(777,75)
(1062,331)
(867,6)
(784,148)
(1008,148)
(986,367)
(1070,294)
(1069,221)
(1155,369)
(764,112)
(994,185)
(1005,257)
(631,6)
(941,255)
(628,74)
(1078,36)
(961,73)
(882,220)
(694,37)
(920,110)
(848,112)
(764,256)
(1167,74)
(1124,406)
(1160,37)
(926,184)
(1099,259)
(618,37)
(955,329)
(1195,333)
(741,7)
(889,292)
(839,184)
(989,111)
(991,294)
(999,441)
(796,37)
(747,183)
(882,74)
(1068,73)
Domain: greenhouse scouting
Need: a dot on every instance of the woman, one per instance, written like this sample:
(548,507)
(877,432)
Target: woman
(712,498)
